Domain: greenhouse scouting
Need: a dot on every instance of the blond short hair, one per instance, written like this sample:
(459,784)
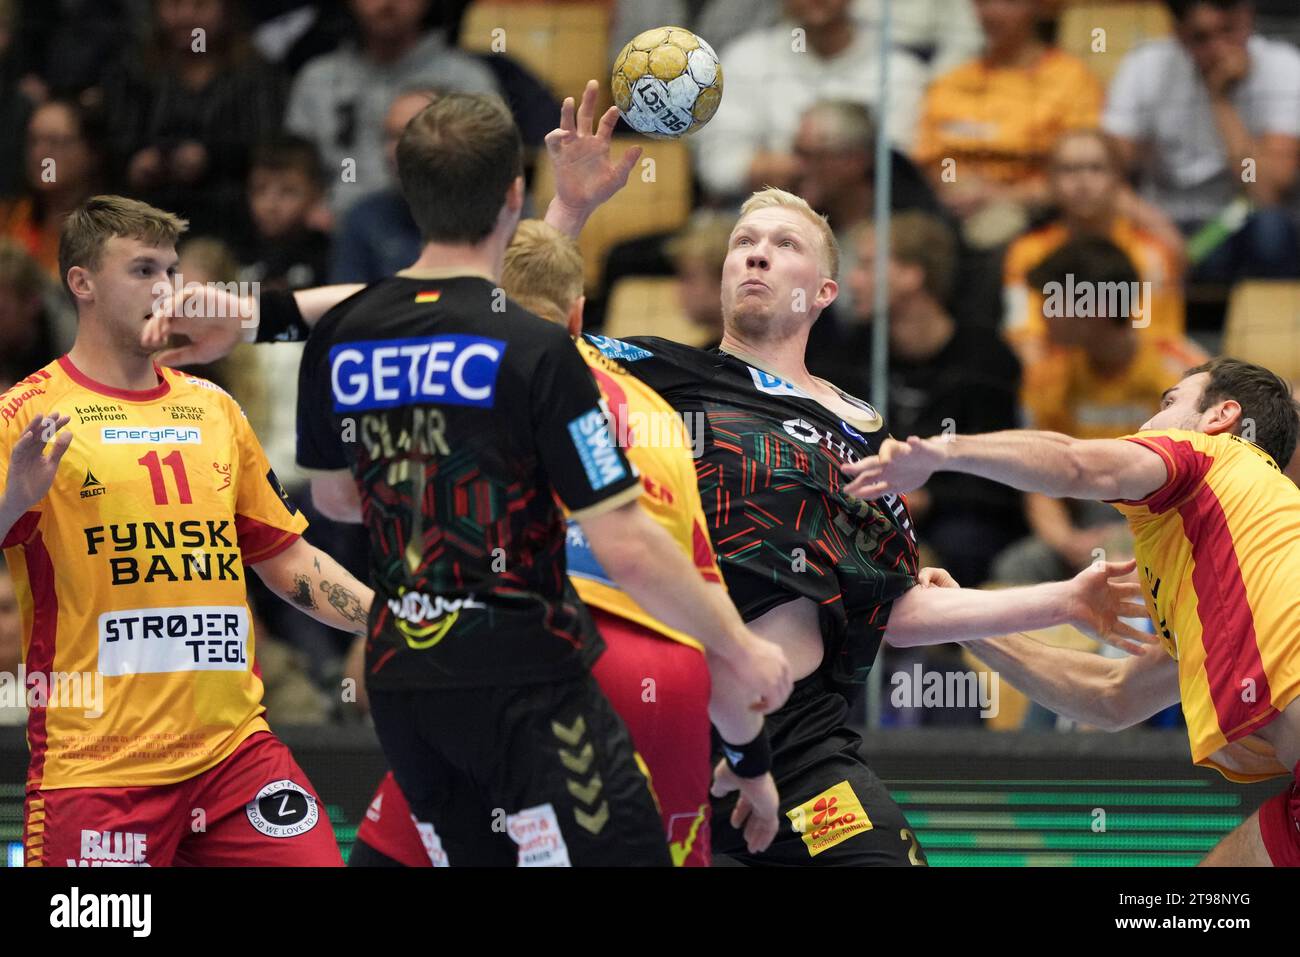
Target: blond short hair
(101,218)
(773,198)
(543,270)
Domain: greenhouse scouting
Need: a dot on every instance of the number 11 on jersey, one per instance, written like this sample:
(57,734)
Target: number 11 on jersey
(173,461)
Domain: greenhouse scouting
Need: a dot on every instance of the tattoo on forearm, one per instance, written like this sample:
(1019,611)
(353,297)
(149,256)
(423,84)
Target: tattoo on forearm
(302,595)
(345,601)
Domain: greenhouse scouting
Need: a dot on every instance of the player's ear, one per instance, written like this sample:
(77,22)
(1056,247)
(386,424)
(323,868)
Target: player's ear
(80,284)
(1224,416)
(575,316)
(826,294)
(515,195)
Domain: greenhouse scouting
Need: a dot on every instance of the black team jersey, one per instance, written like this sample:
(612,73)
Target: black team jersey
(768,466)
(462,417)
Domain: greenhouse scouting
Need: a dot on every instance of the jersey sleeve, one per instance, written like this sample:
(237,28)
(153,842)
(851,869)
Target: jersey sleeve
(266,520)
(585,466)
(1187,461)
(320,443)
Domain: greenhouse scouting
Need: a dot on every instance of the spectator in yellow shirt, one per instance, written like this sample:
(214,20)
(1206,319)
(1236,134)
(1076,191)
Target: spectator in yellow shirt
(1102,381)
(987,127)
(1086,185)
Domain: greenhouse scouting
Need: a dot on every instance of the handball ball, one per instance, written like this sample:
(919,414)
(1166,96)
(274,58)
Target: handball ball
(667,83)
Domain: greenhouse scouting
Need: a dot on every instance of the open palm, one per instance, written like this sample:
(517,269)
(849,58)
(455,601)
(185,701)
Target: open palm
(585,172)
(31,471)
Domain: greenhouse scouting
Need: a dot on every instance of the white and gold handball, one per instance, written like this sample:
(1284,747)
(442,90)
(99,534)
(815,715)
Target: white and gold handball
(667,83)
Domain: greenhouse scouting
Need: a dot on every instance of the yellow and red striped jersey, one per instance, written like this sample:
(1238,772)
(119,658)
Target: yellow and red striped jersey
(131,571)
(657,443)
(1218,548)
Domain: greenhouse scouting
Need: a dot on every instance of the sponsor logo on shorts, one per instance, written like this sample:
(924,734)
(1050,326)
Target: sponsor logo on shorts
(600,459)
(618,349)
(432,843)
(112,849)
(166,435)
(445,370)
(537,832)
(376,809)
(189,638)
(283,809)
(830,818)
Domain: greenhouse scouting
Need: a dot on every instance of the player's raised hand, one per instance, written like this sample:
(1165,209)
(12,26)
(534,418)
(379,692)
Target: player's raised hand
(586,175)
(755,813)
(31,470)
(214,320)
(1101,599)
(899,467)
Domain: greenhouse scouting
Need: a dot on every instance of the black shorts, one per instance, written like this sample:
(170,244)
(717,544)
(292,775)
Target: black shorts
(534,775)
(834,810)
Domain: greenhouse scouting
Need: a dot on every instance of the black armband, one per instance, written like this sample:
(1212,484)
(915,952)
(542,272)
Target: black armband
(280,319)
(751,760)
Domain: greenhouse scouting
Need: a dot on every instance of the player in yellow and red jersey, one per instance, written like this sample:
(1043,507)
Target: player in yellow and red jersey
(656,677)
(129,543)
(1217,536)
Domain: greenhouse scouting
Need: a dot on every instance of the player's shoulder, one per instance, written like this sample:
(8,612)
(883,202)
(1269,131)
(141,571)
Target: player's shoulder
(34,395)
(637,349)
(192,398)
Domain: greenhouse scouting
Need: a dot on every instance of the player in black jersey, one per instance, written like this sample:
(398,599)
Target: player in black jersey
(825,575)
(451,420)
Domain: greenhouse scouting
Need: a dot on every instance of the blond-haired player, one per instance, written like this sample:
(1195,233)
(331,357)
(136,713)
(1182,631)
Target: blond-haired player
(826,575)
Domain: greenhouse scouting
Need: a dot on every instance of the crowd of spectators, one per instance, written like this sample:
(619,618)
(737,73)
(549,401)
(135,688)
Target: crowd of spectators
(1018,176)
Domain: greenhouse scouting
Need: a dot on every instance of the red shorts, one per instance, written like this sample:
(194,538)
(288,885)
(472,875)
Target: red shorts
(254,809)
(660,688)
(1279,825)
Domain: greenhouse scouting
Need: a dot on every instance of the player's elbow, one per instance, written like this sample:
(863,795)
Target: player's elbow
(1116,708)
(336,500)
(618,540)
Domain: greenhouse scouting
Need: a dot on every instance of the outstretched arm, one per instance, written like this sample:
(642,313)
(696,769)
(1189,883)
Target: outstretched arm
(1046,462)
(1090,601)
(1108,693)
(307,577)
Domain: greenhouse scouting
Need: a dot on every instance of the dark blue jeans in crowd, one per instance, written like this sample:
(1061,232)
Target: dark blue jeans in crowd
(1266,247)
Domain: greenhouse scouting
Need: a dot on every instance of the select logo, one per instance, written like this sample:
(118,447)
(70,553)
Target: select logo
(92,486)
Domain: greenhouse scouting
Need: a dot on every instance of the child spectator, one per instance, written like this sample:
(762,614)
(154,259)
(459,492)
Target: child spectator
(285,181)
